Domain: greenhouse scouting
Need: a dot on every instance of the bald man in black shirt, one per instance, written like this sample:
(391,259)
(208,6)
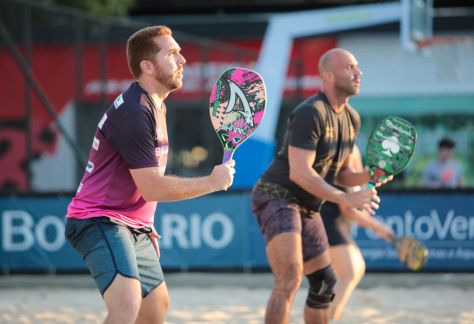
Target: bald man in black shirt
(320,135)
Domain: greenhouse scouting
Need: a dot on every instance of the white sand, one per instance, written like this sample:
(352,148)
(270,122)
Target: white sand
(214,298)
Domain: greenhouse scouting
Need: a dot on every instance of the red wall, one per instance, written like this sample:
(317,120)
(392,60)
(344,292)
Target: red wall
(55,69)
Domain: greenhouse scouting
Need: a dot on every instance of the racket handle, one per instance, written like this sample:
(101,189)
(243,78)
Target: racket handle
(371,184)
(227,155)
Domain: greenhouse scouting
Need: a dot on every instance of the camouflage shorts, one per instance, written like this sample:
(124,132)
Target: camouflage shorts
(278,211)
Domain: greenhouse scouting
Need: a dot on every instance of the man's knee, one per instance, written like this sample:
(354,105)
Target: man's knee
(155,305)
(123,297)
(321,288)
(124,308)
(289,280)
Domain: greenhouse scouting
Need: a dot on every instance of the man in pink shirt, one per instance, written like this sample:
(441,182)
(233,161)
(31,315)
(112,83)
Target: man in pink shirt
(110,219)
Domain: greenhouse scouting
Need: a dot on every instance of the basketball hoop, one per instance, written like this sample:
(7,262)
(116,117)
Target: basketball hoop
(443,49)
(423,44)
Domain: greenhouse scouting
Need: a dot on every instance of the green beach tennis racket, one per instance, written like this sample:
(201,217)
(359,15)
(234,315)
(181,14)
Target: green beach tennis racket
(236,106)
(390,147)
(411,252)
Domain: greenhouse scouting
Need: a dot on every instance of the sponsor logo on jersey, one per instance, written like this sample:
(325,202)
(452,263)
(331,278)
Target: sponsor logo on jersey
(95,143)
(118,101)
(90,166)
(102,121)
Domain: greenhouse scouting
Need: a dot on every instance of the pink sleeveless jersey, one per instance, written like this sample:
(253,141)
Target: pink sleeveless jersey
(132,134)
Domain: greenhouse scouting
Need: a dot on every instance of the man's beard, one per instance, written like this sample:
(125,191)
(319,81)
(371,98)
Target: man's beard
(168,80)
(348,89)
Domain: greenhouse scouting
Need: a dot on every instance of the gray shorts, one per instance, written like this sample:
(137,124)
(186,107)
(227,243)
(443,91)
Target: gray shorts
(109,249)
(276,216)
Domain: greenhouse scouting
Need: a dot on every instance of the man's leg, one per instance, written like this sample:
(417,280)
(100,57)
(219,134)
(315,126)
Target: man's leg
(154,306)
(316,314)
(109,252)
(154,290)
(280,223)
(123,298)
(286,262)
(349,266)
(318,270)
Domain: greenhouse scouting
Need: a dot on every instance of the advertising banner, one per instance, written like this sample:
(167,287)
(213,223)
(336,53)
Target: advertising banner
(443,221)
(220,232)
(217,231)
(32,235)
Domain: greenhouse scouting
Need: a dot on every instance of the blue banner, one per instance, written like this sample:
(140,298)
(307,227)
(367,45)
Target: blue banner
(217,231)
(32,235)
(443,221)
(220,232)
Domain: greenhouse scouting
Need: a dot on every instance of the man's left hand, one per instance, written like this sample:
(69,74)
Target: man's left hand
(379,177)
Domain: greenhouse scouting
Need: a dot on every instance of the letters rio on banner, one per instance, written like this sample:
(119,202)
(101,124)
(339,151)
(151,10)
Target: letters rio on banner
(220,232)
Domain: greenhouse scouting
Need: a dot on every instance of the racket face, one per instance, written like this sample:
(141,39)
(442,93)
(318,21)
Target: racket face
(237,105)
(391,145)
(412,253)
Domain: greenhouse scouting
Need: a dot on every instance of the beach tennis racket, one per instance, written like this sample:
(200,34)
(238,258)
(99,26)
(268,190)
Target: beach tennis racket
(411,252)
(236,106)
(390,147)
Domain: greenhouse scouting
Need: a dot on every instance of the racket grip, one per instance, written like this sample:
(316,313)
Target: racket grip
(371,184)
(227,155)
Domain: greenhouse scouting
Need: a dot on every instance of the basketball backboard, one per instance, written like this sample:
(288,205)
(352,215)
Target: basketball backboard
(416,24)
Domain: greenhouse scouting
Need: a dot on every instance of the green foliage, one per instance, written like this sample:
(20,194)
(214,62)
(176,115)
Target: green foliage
(100,7)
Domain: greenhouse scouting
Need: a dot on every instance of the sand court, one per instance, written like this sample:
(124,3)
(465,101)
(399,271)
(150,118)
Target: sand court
(241,298)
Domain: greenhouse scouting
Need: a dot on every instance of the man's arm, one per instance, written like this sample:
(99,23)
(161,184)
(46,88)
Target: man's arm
(365,220)
(349,176)
(155,187)
(303,174)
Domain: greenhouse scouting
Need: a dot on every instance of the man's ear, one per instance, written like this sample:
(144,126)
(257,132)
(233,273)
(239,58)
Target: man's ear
(327,76)
(146,67)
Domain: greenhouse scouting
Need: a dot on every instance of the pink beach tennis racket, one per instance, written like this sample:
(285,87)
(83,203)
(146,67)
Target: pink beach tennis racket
(236,106)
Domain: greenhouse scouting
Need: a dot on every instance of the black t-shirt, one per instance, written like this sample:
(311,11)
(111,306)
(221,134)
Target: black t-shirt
(314,125)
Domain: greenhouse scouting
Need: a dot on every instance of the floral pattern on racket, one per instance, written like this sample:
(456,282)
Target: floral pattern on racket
(237,106)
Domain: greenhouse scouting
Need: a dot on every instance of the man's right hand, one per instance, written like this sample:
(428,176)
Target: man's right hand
(364,199)
(222,175)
